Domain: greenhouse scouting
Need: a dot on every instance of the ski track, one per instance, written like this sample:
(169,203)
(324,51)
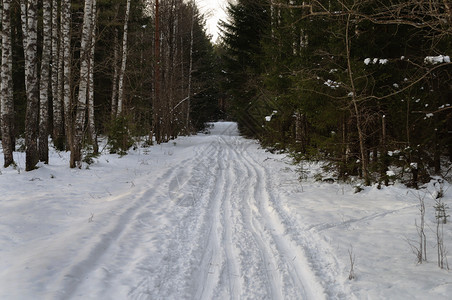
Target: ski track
(225,235)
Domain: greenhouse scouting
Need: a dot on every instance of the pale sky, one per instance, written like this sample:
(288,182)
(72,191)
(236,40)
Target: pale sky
(214,10)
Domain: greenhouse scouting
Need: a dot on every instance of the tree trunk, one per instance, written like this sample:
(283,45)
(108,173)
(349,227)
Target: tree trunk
(344,160)
(114,89)
(190,71)
(66,70)
(44,84)
(1,21)
(384,152)
(85,52)
(91,124)
(32,87)
(359,127)
(122,70)
(156,107)
(23,19)
(7,109)
(56,78)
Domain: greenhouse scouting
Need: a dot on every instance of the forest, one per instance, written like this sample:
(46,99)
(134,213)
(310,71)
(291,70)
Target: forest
(363,86)
(78,70)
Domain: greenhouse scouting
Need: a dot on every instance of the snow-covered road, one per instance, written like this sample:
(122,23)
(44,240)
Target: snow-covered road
(196,221)
(219,238)
(211,216)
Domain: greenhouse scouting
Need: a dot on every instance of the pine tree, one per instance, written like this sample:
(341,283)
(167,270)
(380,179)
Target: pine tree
(242,37)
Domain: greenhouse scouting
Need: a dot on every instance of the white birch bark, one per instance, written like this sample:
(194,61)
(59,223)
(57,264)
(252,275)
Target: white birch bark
(7,110)
(23,19)
(44,83)
(85,52)
(65,60)
(32,84)
(123,62)
(91,124)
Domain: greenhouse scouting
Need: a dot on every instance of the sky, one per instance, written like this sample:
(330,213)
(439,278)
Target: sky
(214,10)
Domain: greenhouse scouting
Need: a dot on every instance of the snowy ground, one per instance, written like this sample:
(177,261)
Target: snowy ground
(208,217)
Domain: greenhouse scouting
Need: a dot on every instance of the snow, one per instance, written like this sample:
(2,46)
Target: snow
(437,59)
(269,118)
(381,61)
(332,84)
(390,173)
(210,217)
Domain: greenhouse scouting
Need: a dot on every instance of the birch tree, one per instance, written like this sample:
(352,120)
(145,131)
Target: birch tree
(44,83)
(85,53)
(65,69)
(7,110)
(123,61)
(91,124)
(32,84)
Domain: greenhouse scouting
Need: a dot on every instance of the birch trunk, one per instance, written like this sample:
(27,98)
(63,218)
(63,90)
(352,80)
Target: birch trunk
(44,84)
(91,124)
(65,60)
(56,74)
(85,51)
(32,84)
(123,62)
(7,109)
(23,19)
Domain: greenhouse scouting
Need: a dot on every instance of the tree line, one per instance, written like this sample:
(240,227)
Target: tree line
(364,85)
(73,70)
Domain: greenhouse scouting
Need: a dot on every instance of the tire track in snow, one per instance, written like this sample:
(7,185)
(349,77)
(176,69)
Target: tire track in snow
(212,259)
(262,271)
(169,277)
(225,243)
(219,259)
(315,252)
(120,224)
(195,261)
(291,258)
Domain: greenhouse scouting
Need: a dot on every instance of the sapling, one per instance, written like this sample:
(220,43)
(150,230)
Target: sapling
(441,219)
(351,274)
(90,219)
(421,250)
(441,211)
